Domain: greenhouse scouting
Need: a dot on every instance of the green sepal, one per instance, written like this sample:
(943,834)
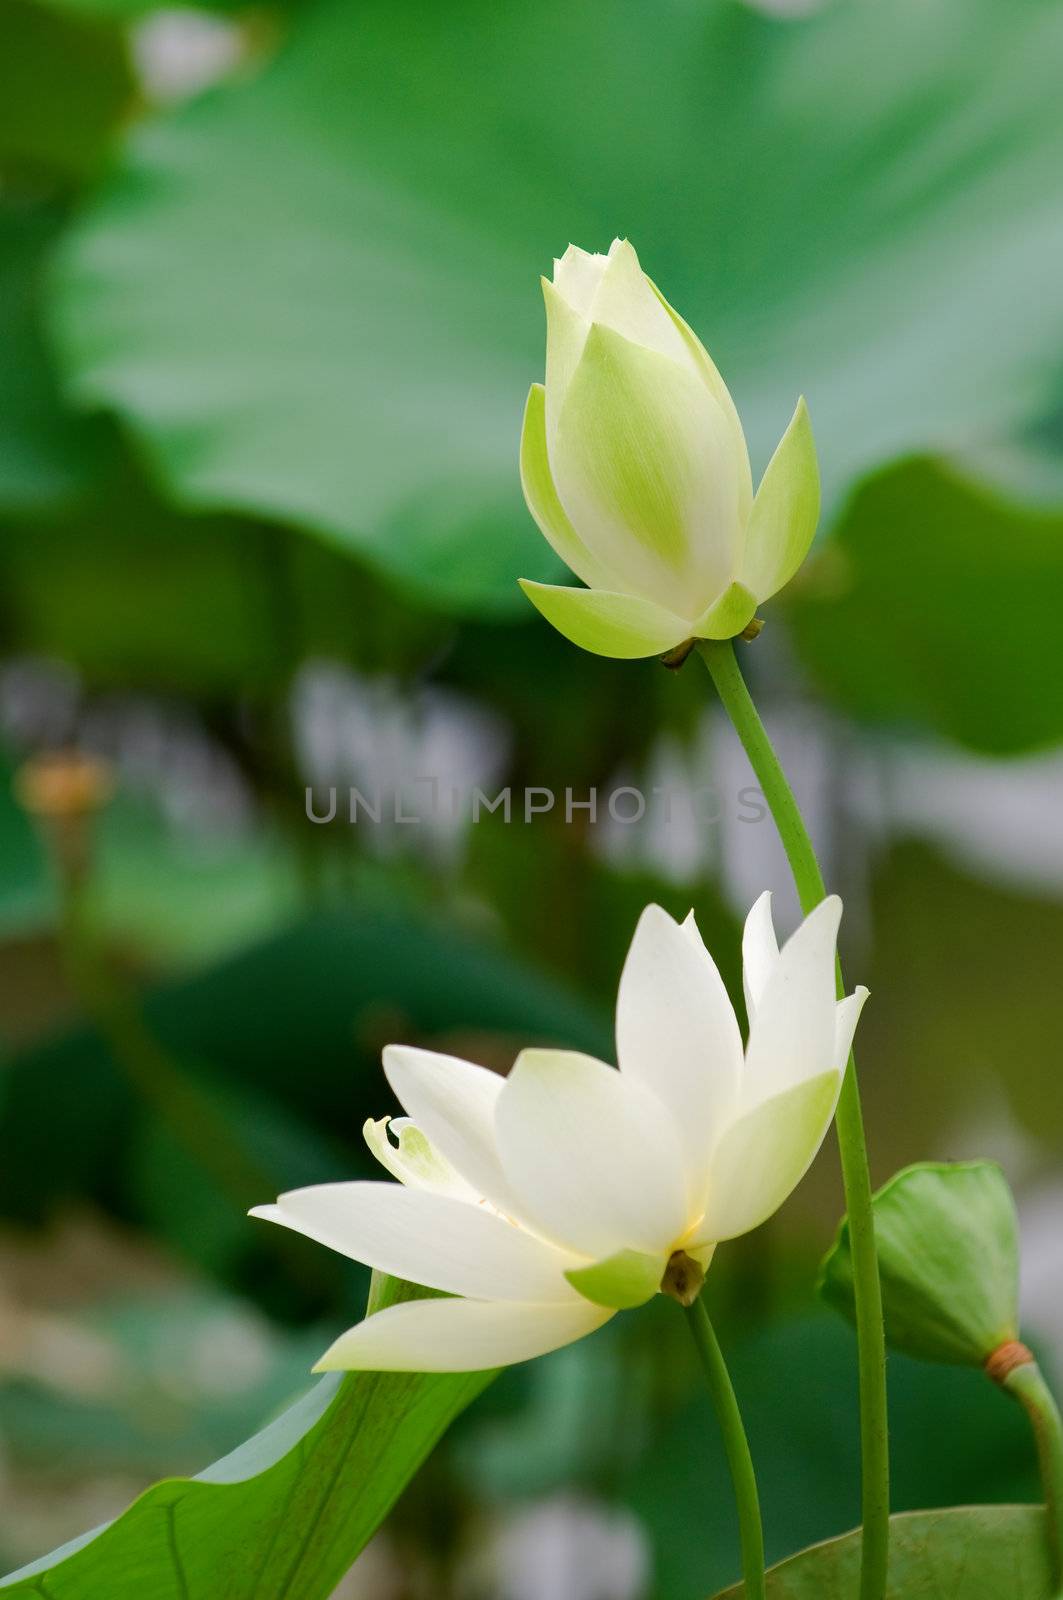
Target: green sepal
(785,510)
(619,625)
(948,1248)
(622,1281)
(728,615)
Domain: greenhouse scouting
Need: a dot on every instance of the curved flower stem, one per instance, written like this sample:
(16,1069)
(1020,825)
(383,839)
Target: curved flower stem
(736,1445)
(719,657)
(1028,1386)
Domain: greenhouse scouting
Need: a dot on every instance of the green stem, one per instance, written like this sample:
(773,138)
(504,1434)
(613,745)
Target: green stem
(736,1445)
(1030,1389)
(719,657)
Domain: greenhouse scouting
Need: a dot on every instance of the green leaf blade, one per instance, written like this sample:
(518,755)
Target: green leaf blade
(285,1514)
(963,1553)
(354,358)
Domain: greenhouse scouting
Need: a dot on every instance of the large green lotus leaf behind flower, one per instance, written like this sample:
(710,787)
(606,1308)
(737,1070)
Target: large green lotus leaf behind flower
(542,1203)
(340,336)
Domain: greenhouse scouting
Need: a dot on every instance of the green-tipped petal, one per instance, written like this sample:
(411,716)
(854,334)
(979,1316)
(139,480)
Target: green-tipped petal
(607,624)
(414,1160)
(710,374)
(728,615)
(643,464)
(622,1281)
(785,512)
(545,507)
(764,1155)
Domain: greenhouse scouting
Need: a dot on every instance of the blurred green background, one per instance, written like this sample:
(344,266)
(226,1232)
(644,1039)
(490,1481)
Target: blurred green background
(268,314)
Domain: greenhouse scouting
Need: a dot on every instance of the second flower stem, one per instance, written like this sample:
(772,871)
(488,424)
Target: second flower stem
(719,657)
(736,1446)
(1028,1386)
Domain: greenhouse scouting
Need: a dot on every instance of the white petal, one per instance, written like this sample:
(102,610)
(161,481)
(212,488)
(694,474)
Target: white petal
(676,1032)
(454,1103)
(792,1034)
(577,275)
(764,1156)
(414,1160)
(593,1156)
(846,1016)
(566,336)
(429,1239)
(626,301)
(760,952)
(459,1335)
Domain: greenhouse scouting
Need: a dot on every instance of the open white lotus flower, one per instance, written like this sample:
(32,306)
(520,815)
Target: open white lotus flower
(634,464)
(544,1202)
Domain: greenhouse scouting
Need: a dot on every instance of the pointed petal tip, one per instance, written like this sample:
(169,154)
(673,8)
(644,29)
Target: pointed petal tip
(761,914)
(395,1058)
(330,1363)
(690,927)
(654,912)
(826,915)
(830,907)
(760,951)
(801,422)
(785,510)
(653,918)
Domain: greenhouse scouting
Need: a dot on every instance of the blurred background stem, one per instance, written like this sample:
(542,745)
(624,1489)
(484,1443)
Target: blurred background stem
(736,1445)
(181,1104)
(719,657)
(65,792)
